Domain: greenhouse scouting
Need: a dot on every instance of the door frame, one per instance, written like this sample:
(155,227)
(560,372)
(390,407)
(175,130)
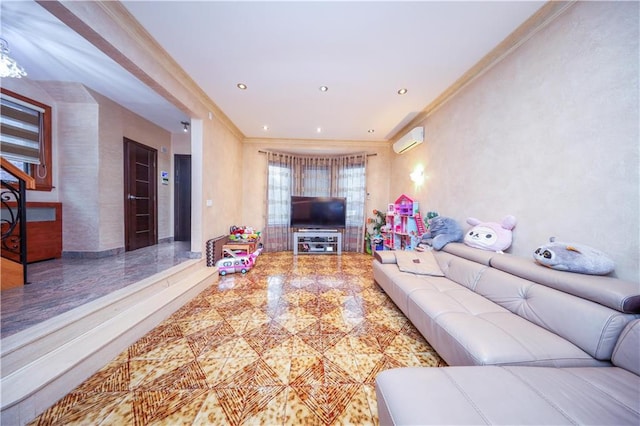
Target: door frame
(180,201)
(153,194)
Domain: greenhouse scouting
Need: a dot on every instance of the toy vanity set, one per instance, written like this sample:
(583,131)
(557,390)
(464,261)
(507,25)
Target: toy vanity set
(241,251)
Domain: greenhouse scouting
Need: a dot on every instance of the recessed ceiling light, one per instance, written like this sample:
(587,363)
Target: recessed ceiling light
(319,130)
(370,130)
(402,91)
(265,127)
(241,86)
(323,88)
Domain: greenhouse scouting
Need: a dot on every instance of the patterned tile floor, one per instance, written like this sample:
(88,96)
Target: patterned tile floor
(297,340)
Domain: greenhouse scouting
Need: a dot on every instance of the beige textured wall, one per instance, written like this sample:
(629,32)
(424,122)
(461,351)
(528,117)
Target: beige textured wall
(222,171)
(110,170)
(181,143)
(550,135)
(77,164)
(115,123)
(254,185)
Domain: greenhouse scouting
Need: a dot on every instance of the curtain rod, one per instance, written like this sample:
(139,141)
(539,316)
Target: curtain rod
(368,155)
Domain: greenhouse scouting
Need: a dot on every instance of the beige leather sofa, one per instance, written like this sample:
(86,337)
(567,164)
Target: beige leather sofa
(537,345)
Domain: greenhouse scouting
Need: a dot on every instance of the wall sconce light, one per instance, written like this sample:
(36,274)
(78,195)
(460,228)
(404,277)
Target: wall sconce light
(185,126)
(417,176)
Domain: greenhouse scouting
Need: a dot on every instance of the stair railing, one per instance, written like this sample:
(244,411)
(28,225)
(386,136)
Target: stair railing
(13,198)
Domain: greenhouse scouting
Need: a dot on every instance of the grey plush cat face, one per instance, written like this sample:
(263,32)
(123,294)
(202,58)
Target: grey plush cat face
(545,255)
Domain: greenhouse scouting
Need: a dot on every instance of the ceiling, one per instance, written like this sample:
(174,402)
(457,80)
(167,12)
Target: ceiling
(364,52)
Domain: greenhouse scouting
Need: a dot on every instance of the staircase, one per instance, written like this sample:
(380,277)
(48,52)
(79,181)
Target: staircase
(11,274)
(44,363)
(14,225)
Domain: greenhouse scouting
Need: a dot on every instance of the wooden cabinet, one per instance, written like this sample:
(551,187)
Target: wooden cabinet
(245,246)
(44,231)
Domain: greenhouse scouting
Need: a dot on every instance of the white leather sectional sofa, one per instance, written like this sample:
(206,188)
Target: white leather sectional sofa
(526,344)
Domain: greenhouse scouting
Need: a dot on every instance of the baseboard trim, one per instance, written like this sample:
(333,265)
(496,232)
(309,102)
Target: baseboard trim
(105,253)
(92,254)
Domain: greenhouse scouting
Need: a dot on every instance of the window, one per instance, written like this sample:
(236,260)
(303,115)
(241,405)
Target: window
(352,183)
(279,195)
(333,176)
(25,136)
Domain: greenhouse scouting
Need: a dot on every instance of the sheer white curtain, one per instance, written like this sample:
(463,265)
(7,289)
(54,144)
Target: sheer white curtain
(350,182)
(277,235)
(314,176)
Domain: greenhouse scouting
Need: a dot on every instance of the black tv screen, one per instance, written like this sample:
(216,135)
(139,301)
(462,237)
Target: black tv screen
(318,212)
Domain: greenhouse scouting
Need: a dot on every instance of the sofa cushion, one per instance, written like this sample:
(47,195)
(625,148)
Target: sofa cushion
(460,270)
(621,295)
(465,252)
(626,354)
(508,395)
(592,327)
(399,285)
(468,329)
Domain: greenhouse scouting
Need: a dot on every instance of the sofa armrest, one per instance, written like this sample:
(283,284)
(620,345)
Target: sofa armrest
(507,395)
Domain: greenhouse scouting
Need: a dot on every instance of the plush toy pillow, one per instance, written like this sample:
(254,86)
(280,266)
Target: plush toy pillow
(442,231)
(490,235)
(573,258)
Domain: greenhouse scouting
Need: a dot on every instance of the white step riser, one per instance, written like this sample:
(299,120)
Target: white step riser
(25,347)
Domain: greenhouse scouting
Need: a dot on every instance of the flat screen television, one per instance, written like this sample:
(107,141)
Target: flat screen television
(318,212)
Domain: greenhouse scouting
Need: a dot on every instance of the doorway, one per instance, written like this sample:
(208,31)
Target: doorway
(182,198)
(140,201)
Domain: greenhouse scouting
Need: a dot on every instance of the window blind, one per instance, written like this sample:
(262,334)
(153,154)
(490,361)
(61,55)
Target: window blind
(20,130)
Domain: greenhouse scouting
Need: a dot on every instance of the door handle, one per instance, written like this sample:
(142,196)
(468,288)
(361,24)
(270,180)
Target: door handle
(133,197)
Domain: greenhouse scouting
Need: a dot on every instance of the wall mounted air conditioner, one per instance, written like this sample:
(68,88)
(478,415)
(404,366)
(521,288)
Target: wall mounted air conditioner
(414,138)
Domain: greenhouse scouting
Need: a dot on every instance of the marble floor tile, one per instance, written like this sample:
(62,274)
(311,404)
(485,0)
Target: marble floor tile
(297,340)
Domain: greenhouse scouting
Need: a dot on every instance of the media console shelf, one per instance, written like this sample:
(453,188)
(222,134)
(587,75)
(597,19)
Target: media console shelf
(317,242)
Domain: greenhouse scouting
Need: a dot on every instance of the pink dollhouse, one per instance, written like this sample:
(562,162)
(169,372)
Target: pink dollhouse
(404,205)
(404,224)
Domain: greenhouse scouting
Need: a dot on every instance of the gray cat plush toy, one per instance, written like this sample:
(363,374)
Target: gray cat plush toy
(573,258)
(442,230)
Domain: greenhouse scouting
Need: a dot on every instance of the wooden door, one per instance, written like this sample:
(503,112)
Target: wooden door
(140,203)
(182,198)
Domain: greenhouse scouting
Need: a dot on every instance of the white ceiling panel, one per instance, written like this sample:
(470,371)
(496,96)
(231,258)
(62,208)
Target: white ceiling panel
(284,51)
